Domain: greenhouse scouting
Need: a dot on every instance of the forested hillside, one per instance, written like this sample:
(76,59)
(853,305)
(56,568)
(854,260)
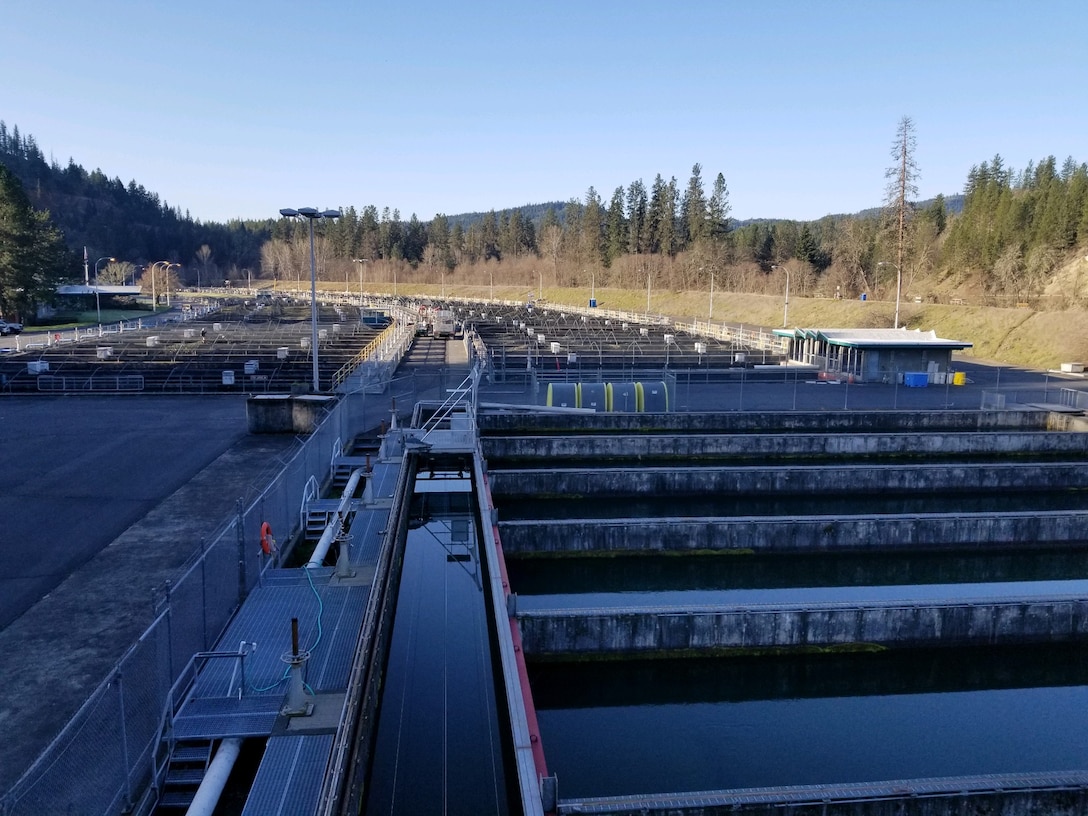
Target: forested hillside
(1004,243)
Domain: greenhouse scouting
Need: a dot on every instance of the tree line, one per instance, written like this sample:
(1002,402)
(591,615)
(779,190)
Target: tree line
(1004,236)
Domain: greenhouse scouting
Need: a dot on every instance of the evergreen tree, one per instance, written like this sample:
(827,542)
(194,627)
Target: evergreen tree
(489,237)
(1076,199)
(937,214)
(693,227)
(438,238)
(616,242)
(656,214)
(636,218)
(33,259)
(808,250)
(415,240)
(718,220)
(592,229)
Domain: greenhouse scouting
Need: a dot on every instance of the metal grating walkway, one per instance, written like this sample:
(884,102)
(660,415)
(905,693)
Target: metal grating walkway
(244,697)
(300,759)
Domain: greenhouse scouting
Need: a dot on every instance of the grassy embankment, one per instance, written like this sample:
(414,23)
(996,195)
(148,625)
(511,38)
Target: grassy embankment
(1014,336)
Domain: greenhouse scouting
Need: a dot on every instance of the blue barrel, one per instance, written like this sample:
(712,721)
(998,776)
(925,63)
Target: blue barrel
(654,397)
(593,396)
(563,395)
(593,303)
(622,397)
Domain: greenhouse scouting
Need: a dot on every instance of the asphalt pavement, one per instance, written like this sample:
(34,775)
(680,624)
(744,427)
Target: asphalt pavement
(102,499)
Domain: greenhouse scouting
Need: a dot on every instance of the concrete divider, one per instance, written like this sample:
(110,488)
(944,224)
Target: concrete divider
(816,422)
(979,477)
(669,631)
(802,534)
(762,445)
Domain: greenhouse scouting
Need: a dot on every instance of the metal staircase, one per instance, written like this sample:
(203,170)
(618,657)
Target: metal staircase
(185,771)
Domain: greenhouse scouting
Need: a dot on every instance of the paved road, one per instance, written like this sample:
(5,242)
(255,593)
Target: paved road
(76,472)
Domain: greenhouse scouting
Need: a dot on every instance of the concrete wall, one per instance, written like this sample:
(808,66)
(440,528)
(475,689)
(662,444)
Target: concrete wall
(996,795)
(286,413)
(788,480)
(762,445)
(989,532)
(767,422)
(665,631)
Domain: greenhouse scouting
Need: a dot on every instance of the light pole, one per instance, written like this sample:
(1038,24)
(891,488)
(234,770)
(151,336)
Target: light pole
(711,318)
(786,309)
(359,261)
(154,288)
(540,286)
(492,295)
(166,271)
(311,214)
(649,275)
(154,283)
(97,299)
(898,286)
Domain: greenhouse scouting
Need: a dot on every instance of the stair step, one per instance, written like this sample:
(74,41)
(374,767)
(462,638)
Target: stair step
(176,799)
(185,776)
(191,753)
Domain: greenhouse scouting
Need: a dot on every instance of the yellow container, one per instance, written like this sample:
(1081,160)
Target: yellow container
(959,378)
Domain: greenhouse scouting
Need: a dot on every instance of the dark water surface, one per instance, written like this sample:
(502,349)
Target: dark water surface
(440,742)
(670,726)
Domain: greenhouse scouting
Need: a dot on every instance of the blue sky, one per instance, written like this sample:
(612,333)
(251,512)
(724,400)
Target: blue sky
(238,108)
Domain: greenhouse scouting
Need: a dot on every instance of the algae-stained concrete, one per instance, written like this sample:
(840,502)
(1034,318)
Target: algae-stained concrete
(679,631)
(918,532)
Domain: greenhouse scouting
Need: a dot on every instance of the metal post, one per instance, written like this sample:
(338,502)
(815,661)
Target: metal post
(124,741)
(711,298)
(313,310)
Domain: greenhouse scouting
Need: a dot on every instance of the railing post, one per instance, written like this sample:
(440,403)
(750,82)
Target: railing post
(124,743)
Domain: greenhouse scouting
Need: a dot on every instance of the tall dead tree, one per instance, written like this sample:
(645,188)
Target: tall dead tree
(901,191)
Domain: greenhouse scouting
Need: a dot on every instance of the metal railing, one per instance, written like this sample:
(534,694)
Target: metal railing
(104,761)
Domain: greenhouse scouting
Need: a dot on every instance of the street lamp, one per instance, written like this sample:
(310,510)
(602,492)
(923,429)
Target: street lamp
(166,271)
(491,297)
(311,214)
(154,287)
(359,261)
(898,286)
(154,282)
(786,309)
(97,299)
(540,286)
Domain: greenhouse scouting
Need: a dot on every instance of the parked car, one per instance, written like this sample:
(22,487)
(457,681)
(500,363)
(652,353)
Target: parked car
(10,328)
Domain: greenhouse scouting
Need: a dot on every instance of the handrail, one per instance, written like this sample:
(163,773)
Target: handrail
(309,493)
(362,356)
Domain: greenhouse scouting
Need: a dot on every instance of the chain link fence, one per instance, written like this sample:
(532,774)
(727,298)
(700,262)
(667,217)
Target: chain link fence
(108,758)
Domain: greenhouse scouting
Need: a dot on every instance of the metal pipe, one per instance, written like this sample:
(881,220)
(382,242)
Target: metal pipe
(215,778)
(332,530)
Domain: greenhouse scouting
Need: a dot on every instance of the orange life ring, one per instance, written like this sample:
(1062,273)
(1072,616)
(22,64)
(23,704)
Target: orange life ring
(267,542)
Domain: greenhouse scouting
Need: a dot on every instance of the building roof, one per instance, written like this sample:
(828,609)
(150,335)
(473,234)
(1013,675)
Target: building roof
(875,338)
